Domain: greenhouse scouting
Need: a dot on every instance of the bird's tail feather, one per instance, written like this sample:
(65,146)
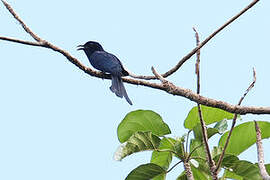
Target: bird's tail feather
(118,88)
(115,88)
(124,92)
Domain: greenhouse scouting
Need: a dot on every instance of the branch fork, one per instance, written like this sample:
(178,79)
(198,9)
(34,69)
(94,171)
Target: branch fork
(165,85)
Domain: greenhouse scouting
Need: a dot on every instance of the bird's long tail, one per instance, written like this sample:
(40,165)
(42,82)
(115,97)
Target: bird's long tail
(118,88)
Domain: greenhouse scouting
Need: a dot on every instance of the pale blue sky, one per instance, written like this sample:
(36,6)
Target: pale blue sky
(57,122)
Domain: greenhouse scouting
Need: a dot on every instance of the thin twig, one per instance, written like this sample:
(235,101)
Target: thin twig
(197,65)
(192,52)
(250,87)
(174,166)
(226,143)
(26,28)
(205,140)
(158,76)
(203,125)
(187,140)
(262,168)
(234,121)
(21,41)
(172,89)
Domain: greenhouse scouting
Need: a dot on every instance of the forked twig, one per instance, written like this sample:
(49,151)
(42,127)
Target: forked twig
(21,41)
(172,89)
(234,121)
(27,29)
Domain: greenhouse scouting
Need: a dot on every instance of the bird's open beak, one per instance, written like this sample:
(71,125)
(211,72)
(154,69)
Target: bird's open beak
(80,47)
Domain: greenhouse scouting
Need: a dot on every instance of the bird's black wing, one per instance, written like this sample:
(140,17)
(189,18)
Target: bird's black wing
(124,72)
(106,62)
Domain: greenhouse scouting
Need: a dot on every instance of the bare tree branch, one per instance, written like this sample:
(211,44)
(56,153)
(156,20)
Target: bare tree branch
(193,51)
(21,41)
(263,171)
(27,29)
(158,76)
(172,89)
(188,171)
(203,125)
(234,121)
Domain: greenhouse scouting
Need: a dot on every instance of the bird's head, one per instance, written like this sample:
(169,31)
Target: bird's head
(90,47)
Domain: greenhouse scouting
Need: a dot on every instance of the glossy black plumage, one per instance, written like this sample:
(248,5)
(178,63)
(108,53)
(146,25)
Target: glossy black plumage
(107,63)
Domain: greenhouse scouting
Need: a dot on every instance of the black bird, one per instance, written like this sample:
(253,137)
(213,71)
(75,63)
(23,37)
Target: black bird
(107,63)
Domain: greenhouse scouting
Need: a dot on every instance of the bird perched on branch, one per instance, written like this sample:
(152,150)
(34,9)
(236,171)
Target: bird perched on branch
(107,63)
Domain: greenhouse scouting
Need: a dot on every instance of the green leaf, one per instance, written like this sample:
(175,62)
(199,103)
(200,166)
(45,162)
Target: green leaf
(227,161)
(179,148)
(216,151)
(197,148)
(197,130)
(145,172)
(199,155)
(267,166)
(210,115)
(182,176)
(244,136)
(211,132)
(139,141)
(239,168)
(160,177)
(198,174)
(231,175)
(245,169)
(141,120)
(221,126)
(163,159)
